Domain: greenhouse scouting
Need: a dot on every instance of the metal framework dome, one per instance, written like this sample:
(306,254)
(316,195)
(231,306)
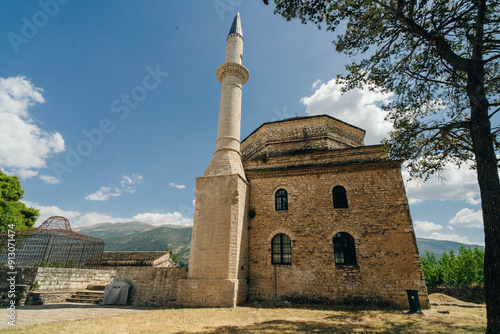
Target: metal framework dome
(56,223)
(53,244)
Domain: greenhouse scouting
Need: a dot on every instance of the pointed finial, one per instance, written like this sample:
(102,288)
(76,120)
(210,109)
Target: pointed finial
(236,26)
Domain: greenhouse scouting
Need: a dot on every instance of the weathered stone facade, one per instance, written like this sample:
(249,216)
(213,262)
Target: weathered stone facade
(308,157)
(152,286)
(158,259)
(301,210)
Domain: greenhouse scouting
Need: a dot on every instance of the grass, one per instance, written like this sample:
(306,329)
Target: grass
(296,319)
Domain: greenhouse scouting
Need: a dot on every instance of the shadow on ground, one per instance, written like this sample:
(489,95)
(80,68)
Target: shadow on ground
(284,326)
(352,323)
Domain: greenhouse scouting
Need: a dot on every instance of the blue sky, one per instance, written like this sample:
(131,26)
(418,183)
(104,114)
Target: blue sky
(108,110)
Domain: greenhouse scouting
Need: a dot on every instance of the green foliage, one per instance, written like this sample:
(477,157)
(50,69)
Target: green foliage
(441,59)
(465,269)
(432,271)
(59,264)
(12,211)
(175,258)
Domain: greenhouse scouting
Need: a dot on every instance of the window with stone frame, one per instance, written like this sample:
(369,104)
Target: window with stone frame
(339,198)
(281,200)
(344,249)
(281,249)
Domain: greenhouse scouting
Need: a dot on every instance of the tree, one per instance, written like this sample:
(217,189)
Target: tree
(432,270)
(464,269)
(441,58)
(13,212)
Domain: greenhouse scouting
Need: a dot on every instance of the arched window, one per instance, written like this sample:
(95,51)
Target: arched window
(339,198)
(281,198)
(281,249)
(344,249)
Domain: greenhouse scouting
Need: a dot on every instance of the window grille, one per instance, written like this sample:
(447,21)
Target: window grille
(281,249)
(344,249)
(281,200)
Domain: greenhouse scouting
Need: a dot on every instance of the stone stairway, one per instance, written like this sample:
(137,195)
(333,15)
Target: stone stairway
(94,294)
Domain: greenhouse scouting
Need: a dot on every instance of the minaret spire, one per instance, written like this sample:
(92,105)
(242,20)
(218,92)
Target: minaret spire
(232,75)
(236,27)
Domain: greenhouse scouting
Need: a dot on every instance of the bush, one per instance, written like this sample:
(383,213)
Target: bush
(466,269)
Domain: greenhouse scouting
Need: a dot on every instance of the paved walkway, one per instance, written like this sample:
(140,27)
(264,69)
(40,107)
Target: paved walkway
(30,315)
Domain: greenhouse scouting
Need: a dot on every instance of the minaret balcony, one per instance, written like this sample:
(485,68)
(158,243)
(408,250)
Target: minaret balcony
(233,69)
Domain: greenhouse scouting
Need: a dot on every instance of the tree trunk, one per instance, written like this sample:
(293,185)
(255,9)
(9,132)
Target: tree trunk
(489,187)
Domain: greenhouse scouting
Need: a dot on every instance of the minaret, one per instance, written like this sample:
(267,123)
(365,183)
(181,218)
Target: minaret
(232,75)
(218,262)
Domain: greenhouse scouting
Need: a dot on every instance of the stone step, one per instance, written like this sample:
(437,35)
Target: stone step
(47,297)
(96,287)
(80,300)
(87,296)
(90,292)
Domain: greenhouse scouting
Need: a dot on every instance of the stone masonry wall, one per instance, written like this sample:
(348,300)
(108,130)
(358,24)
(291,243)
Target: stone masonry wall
(377,217)
(51,280)
(152,286)
(299,134)
(23,279)
(56,279)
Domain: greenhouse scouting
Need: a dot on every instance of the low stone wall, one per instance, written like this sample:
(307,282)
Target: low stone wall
(152,286)
(43,298)
(46,280)
(57,279)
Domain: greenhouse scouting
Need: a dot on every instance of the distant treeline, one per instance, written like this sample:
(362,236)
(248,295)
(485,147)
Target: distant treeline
(465,269)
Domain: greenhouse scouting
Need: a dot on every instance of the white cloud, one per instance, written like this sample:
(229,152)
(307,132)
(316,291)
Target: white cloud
(103,194)
(49,179)
(77,218)
(426,226)
(127,185)
(468,218)
(414,200)
(49,211)
(473,201)
(175,218)
(449,237)
(178,186)
(90,218)
(25,146)
(316,83)
(359,107)
(458,184)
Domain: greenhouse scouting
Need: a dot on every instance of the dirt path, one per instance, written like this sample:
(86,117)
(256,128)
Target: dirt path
(30,315)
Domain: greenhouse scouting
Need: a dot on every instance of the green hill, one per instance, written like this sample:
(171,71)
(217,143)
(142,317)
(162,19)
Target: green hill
(439,246)
(175,239)
(111,230)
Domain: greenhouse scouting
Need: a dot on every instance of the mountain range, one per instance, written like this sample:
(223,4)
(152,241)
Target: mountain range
(139,236)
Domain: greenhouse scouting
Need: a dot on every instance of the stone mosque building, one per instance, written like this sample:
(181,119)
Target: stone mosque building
(301,210)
